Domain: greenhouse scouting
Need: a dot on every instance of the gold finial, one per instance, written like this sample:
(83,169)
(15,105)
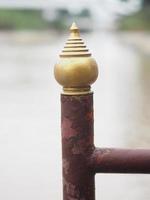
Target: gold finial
(74,31)
(76,69)
(74,45)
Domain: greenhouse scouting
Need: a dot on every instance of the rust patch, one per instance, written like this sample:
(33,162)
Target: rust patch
(77,145)
(67,130)
(65,166)
(71,190)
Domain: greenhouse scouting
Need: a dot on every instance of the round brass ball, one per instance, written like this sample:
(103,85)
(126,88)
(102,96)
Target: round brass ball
(76,72)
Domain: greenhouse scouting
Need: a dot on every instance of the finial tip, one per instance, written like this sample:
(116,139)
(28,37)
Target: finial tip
(73,26)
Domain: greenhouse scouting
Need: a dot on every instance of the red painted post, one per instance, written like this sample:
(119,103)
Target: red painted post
(77,146)
(76,71)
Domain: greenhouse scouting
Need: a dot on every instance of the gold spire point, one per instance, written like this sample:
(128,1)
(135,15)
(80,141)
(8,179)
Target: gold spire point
(74,31)
(74,26)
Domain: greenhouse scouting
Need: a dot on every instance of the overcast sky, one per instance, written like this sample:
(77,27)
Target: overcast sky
(76,4)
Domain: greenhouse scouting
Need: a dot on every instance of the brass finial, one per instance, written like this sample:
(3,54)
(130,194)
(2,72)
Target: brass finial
(76,70)
(74,45)
(74,31)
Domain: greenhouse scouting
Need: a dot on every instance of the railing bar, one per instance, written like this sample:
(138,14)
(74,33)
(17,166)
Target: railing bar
(109,160)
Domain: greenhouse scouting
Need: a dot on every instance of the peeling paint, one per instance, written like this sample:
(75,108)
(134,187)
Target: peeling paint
(71,190)
(77,145)
(65,166)
(81,160)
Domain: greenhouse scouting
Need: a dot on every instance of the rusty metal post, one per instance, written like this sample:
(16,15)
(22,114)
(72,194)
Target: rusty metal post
(76,71)
(110,160)
(77,146)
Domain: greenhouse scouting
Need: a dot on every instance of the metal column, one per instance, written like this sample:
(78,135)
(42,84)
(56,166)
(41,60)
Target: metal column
(76,70)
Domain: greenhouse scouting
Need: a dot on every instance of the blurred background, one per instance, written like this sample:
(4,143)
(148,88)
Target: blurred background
(32,34)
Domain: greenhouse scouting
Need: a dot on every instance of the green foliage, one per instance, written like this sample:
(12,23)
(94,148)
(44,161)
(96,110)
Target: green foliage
(137,21)
(59,23)
(62,12)
(84,13)
(146,3)
(22,19)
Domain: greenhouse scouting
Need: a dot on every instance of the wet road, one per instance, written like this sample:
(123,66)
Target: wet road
(30,113)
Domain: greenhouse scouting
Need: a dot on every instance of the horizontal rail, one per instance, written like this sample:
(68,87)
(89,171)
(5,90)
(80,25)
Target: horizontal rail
(107,160)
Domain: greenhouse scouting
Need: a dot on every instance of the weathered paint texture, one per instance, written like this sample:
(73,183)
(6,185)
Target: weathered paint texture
(120,161)
(77,146)
(81,160)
